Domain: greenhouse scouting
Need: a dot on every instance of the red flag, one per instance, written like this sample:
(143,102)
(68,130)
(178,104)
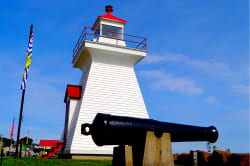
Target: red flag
(12,130)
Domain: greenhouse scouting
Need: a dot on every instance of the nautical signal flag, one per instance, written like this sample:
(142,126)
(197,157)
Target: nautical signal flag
(28,60)
(12,129)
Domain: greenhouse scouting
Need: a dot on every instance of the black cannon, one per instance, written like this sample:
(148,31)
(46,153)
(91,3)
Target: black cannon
(118,130)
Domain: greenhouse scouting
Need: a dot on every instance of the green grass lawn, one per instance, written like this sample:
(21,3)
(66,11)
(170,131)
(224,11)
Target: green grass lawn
(53,162)
(9,161)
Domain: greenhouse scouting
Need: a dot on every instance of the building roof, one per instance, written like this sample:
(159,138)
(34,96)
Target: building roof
(48,142)
(73,92)
(109,16)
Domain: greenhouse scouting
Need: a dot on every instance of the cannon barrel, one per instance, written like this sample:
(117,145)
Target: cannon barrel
(119,130)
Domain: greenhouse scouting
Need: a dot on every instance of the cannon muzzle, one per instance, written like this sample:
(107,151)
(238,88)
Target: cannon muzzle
(119,130)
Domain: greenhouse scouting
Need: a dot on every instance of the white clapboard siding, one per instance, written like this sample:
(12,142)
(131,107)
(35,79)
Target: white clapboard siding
(109,85)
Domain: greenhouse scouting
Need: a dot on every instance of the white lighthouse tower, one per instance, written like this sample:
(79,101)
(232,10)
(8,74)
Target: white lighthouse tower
(106,56)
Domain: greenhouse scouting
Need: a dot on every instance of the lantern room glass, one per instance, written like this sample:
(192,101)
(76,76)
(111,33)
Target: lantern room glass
(111,31)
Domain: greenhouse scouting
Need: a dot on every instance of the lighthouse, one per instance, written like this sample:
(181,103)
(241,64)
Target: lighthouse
(106,56)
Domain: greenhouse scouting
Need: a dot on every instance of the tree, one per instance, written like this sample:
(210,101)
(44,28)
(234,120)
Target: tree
(24,141)
(214,148)
(6,141)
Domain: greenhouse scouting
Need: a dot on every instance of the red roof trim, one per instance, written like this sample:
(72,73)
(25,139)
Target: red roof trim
(48,142)
(73,92)
(109,16)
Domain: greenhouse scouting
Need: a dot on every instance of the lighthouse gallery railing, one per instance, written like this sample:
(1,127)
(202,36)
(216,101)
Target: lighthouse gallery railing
(131,40)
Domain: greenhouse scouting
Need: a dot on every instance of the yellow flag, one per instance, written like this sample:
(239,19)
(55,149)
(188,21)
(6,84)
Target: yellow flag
(27,141)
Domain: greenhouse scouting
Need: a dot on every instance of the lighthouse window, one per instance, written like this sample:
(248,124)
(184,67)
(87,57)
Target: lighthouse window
(110,31)
(97,33)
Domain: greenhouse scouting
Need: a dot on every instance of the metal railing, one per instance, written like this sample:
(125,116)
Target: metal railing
(131,40)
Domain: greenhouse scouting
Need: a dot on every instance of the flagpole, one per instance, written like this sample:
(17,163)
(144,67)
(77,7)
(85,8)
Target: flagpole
(21,109)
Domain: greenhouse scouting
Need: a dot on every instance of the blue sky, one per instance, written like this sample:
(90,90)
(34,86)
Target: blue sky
(196,72)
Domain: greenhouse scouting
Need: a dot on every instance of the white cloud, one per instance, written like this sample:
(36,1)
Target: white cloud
(43,100)
(236,80)
(238,115)
(212,100)
(212,66)
(41,132)
(165,58)
(241,89)
(164,81)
